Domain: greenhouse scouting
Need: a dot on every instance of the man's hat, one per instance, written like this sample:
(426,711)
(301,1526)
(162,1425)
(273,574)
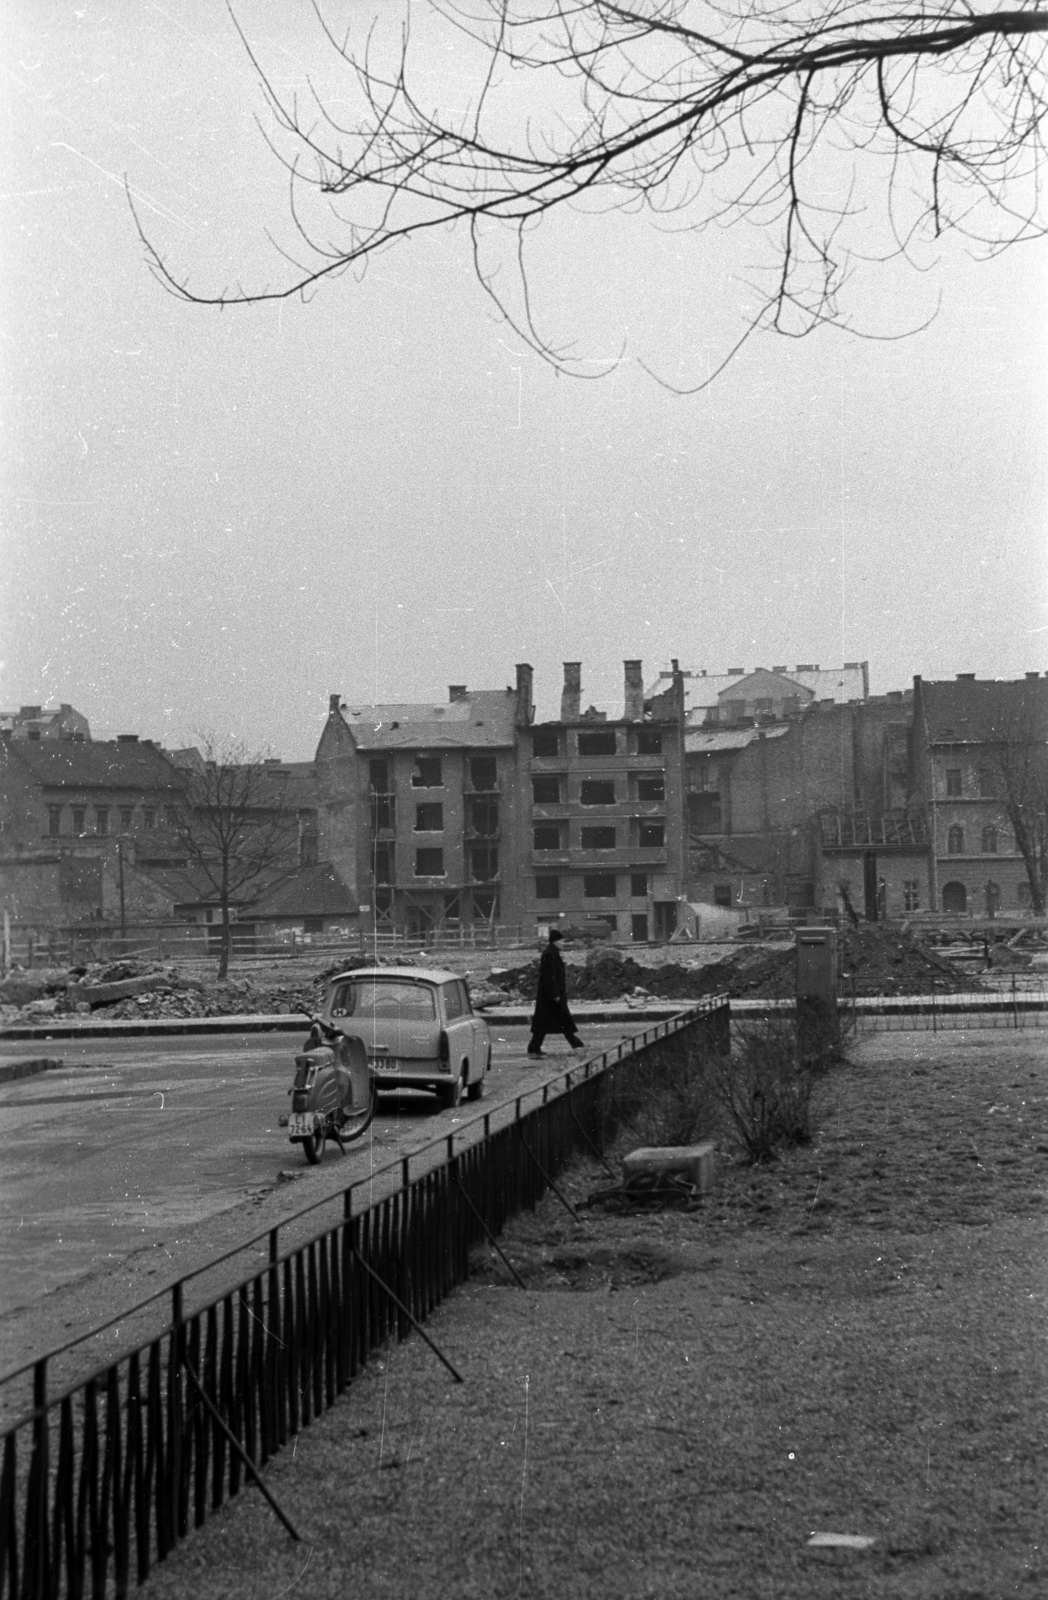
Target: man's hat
(554,935)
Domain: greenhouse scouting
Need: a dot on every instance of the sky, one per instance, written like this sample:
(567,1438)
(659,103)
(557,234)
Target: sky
(212,520)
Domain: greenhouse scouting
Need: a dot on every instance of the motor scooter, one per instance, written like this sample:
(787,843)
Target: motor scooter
(333,1095)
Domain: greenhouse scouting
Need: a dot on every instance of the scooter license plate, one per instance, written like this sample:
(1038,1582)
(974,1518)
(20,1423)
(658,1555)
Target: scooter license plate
(300,1124)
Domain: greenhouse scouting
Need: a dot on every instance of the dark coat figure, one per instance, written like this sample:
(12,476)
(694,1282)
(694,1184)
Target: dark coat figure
(551,1001)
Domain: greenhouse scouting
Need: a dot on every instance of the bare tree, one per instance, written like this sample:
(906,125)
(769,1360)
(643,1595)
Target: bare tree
(1020,752)
(703,111)
(233,828)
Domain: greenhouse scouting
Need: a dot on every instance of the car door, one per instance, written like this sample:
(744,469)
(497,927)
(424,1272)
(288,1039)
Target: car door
(479,1029)
(457,1025)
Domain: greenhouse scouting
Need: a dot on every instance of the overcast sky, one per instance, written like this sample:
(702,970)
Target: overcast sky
(213,520)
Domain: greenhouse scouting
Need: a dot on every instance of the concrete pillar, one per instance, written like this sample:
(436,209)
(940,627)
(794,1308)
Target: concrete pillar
(818,1025)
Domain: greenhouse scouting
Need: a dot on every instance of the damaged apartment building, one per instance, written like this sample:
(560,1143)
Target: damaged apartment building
(787,770)
(470,815)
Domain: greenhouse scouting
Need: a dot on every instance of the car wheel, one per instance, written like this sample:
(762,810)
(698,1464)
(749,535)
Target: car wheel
(449,1094)
(476,1089)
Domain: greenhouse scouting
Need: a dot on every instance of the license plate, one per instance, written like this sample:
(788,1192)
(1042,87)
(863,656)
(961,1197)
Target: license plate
(383,1063)
(300,1124)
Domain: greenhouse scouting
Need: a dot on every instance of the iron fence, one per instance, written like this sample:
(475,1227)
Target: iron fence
(106,1469)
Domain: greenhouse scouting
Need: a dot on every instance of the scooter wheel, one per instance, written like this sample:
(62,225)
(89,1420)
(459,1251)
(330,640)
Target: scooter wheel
(314,1147)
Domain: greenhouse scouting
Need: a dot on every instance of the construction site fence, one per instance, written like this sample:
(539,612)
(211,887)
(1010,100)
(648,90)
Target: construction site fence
(110,1460)
(200,942)
(1016,1006)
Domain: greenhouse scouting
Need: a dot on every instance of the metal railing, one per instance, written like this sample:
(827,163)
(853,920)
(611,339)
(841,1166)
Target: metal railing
(108,1463)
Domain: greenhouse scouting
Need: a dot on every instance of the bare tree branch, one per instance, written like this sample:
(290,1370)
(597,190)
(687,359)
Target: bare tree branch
(709,109)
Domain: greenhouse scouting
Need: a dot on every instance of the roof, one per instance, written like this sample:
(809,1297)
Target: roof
(973,711)
(483,719)
(95,764)
(703,689)
(427,974)
(706,741)
(317,891)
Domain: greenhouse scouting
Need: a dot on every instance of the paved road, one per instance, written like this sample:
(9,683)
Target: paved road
(146,1143)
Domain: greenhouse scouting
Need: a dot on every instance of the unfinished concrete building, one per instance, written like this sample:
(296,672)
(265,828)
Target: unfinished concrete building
(601,800)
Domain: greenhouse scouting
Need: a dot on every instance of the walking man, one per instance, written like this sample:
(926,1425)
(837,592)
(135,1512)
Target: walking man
(551,1001)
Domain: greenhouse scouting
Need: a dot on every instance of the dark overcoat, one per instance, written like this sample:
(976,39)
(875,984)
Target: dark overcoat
(551,1000)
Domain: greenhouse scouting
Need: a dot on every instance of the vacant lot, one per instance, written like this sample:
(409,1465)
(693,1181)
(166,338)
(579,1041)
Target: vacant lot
(848,1340)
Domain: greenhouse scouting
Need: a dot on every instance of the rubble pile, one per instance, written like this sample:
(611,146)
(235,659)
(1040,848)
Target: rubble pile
(877,959)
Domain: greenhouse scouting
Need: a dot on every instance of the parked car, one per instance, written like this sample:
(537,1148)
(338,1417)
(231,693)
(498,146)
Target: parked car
(418,1027)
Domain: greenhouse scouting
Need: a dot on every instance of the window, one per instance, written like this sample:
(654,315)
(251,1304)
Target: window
(429,863)
(54,819)
(547,888)
(149,817)
(639,928)
(171,816)
(649,741)
(653,788)
(102,819)
(384,997)
(484,817)
(484,863)
(545,790)
(652,835)
(989,841)
(453,1003)
(127,818)
(378,776)
(986,783)
(706,812)
(312,924)
(791,705)
(953,781)
(911,894)
(545,743)
(383,812)
(80,819)
(598,838)
(722,894)
(427,773)
(429,818)
(598,743)
(598,886)
(483,772)
(383,863)
(547,836)
(1025,897)
(955,840)
(639,885)
(597,792)
(764,708)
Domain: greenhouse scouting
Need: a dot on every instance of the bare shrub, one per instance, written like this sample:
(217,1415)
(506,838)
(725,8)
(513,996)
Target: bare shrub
(766,1086)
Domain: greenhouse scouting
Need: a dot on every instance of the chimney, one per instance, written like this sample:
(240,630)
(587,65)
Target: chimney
(525,690)
(966,677)
(1031,675)
(29,711)
(571,695)
(634,691)
(456,691)
(334,702)
(127,738)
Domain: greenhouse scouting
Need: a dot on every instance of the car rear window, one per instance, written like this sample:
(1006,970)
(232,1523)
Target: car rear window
(383,997)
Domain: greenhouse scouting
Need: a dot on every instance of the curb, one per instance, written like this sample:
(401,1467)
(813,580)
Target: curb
(154,1027)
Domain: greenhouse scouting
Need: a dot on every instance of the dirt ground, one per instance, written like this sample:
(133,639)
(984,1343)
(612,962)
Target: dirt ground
(848,1340)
